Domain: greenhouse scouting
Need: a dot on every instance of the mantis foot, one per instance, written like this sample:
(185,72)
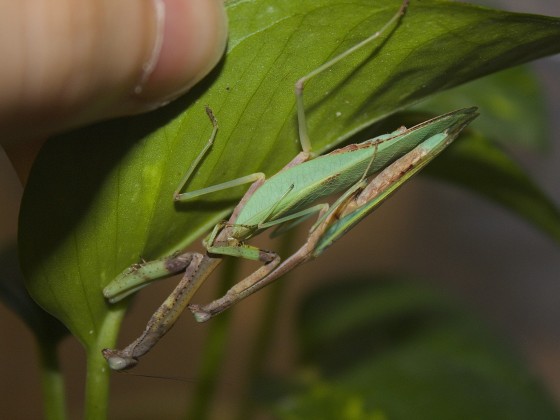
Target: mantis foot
(200,315)
(117,359)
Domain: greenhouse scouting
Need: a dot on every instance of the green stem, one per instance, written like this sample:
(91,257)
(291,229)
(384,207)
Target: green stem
(265,331)
(98,372)
(52,381)
(262,342)
(214,351)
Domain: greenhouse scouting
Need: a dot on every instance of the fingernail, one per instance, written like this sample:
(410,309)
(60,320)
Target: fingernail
(159,27)
(190,38)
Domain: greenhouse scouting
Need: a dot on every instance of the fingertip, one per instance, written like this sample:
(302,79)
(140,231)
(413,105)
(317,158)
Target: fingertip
(70,64)
(190,40)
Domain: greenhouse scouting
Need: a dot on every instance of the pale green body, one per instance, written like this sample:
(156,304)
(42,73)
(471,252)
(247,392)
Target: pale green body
(296,188)
(429,148)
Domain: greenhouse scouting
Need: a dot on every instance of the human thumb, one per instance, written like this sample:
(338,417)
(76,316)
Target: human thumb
(68,63)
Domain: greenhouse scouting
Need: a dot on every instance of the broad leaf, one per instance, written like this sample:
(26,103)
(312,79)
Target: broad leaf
(512,107)
(382,348)
(484,168)
(475,163)
(12,292)
(99,199)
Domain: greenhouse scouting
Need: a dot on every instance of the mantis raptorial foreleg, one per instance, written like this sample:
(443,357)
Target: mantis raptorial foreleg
(162,320)
(142,274)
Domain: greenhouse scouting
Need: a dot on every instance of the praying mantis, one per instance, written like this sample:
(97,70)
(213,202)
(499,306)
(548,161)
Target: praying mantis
(283,200)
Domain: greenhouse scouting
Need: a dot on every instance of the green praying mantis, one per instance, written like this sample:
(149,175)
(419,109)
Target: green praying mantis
(283,200)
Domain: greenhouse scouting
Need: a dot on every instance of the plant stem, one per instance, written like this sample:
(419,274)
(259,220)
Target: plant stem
(98,372)
(265,331)
(214,351)
(52,381)
(262,342)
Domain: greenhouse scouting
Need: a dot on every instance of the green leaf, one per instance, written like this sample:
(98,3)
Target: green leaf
(13,293)
(479,165)
(99,199)
(511,103)
(380,348)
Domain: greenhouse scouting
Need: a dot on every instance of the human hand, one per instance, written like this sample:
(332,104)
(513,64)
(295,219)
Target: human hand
(67,64)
